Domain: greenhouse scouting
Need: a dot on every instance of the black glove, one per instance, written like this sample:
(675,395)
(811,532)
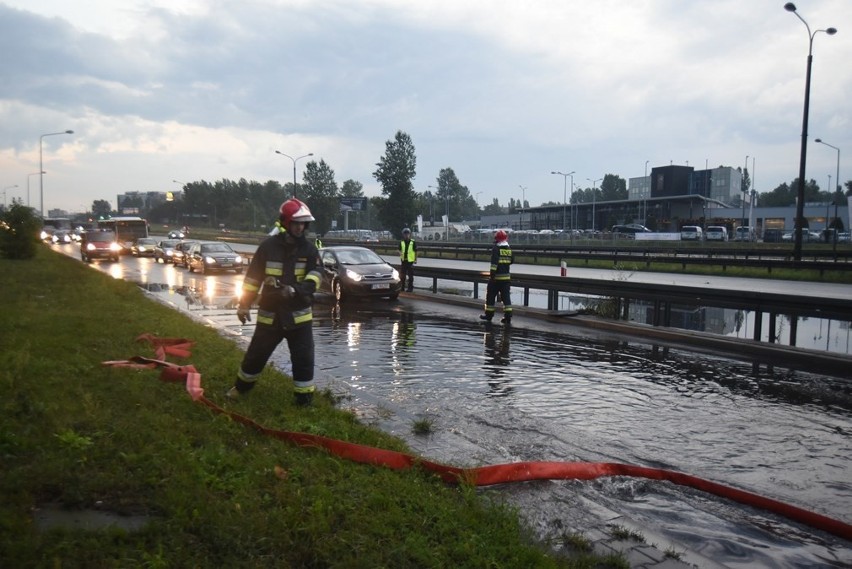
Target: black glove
(244,315)
(305,288)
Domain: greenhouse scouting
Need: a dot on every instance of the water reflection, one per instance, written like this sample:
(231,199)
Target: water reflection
(535,393)
(497,340)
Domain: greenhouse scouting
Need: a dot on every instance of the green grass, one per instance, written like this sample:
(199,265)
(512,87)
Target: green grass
(79,435)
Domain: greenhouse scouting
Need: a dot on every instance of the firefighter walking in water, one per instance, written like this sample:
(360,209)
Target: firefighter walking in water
(500,278)
(284,272)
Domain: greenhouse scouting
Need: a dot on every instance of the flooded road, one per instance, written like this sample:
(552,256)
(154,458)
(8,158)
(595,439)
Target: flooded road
(549,392)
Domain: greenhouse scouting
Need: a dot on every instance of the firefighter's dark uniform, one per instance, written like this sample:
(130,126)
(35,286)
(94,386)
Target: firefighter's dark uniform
(500,281)
(281,261)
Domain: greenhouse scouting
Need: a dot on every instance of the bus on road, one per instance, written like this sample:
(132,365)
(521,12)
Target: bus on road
(127,230)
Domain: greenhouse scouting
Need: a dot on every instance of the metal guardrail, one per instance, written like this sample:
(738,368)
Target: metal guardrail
(821,260)
(663,297)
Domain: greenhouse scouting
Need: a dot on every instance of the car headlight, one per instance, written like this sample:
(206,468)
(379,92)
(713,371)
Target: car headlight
(395,274)
(90,247)
(352,275)
(238,260)
(43,235)
(114,247)
(210,260)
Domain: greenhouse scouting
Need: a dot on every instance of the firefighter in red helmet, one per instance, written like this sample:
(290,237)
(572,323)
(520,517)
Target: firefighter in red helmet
(500,278)
(284,273)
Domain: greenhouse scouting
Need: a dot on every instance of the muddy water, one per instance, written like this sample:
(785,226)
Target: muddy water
(496,395)
(539,392)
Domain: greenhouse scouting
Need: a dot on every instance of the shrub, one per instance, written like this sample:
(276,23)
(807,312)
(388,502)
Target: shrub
(18,232)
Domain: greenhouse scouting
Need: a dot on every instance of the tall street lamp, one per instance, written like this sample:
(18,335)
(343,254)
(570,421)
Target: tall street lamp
(743,189)
(837,181)
(565,191)
(4,194)
(594,198)
(29,177)
(800,203)
(523,203)
(41,165)
(294,166)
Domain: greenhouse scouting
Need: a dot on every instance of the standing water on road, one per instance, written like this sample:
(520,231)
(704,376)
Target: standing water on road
(544,392)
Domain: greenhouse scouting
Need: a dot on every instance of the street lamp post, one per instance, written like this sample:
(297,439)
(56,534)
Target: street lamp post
(4,194)
(565,191)
(800,203)
(41,165)
(294,165)
(29,177)
(836,181)
(594,198)
(523,203)
(743,190)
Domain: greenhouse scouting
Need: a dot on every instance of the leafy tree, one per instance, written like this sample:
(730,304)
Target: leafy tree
(493,208)
(395,172)
(612,188)
(101,208)
(319,191)
(18,232)
(352,189)
(455,197)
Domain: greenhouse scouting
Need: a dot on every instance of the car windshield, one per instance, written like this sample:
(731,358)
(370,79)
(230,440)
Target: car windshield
(358,257)
(168,244)
(216,248)
(101,236)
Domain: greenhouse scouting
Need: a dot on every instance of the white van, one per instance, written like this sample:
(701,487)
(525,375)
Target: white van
(691,233)
(717,233)
(744,233)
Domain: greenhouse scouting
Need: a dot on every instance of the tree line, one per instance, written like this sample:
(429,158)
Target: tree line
(247,204)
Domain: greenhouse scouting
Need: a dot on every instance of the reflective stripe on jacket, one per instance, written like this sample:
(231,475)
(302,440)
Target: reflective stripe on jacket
(501,260)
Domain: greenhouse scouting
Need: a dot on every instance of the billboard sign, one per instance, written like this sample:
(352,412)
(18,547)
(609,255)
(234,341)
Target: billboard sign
(353,204)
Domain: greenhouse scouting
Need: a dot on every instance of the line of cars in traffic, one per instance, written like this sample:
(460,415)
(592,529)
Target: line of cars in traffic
(202,256)
(348,271)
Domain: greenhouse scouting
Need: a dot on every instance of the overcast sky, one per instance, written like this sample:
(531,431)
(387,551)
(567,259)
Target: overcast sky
(501,92)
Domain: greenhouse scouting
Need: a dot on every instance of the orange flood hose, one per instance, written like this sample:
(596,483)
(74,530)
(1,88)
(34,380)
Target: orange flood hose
(481,476)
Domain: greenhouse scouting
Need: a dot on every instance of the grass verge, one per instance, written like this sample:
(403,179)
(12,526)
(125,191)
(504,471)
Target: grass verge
(77,435)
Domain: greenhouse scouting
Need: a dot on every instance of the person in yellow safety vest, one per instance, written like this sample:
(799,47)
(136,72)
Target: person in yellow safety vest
(285,272)
(500,279)
(276,228)
(407,257)
(318,242)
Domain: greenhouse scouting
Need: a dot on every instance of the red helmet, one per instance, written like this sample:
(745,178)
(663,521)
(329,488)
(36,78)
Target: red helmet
(294,210)
(500,235)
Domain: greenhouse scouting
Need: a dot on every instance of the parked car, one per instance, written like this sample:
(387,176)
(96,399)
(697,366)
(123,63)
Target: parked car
(211,256)
(99,245)
(773,235)
(844,237)
(357,272)
(181,249)
(716,233)
(807,236)
(691,233)
(744,233)
(630,230)
(164,252)
(143,247)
